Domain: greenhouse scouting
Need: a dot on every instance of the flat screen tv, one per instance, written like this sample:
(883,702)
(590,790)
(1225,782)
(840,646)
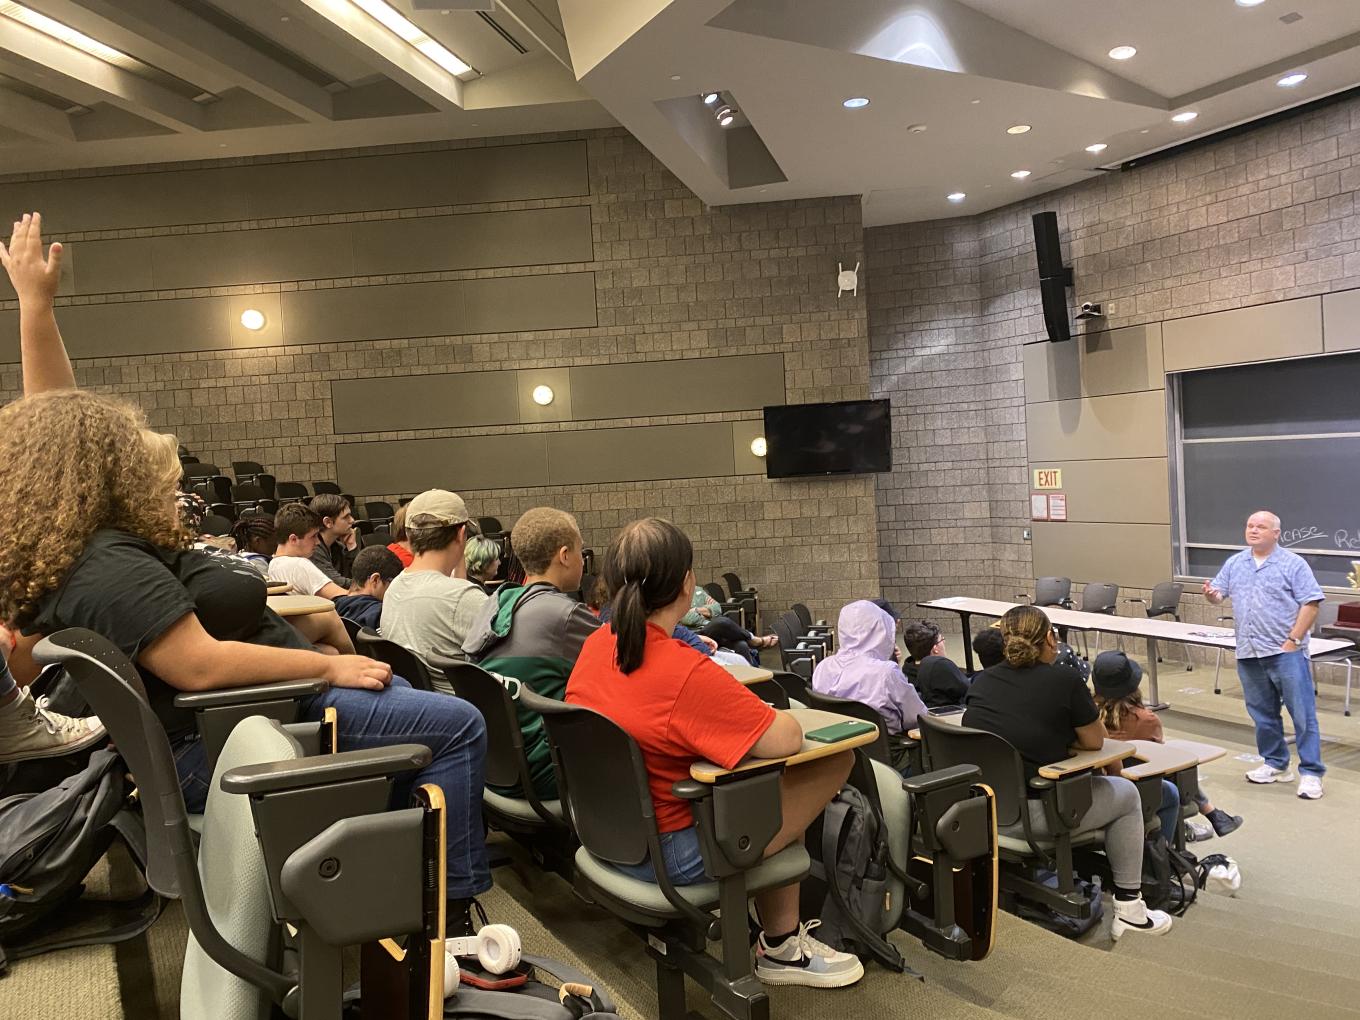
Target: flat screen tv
(845,438)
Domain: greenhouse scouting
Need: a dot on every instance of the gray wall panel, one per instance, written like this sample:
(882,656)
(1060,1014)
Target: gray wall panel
(640,454)
(1115,491)
(424,402)
(413,465)
(1133,555)
(690,386)
(1284,329)
(1113,361)
(510,304)
(146,327)
(1341,320)
(1097,428)
(526,237)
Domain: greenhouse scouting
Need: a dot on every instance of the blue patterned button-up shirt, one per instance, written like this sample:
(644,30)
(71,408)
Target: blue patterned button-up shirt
(1266,599)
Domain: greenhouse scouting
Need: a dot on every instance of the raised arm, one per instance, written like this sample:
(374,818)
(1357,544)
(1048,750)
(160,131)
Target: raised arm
(35,278)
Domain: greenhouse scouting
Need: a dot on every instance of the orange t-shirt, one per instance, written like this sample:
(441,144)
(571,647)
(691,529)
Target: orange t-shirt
(679,706)
(403,554)
(1139,724)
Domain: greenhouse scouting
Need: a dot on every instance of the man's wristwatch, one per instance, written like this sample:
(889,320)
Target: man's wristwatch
(1296,642)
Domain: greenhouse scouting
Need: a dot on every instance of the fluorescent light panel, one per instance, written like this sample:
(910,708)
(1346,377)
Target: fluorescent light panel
(412,34)
(68,35)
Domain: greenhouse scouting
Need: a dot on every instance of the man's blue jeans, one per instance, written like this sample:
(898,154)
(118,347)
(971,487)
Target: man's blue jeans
(451,728)
(1283,680)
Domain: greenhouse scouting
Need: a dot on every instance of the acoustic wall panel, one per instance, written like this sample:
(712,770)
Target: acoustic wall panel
(688,386)
(423,401)
(1097,428)
(138,327)
(524,237)
(473,462)
(511,304)
(1131,555)
(646,453)
(1115,491)
(1285,329)
(1341,321)
(319,187)
(1096,364)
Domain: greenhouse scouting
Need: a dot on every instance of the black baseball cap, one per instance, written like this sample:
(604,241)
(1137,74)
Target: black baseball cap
(1115,675)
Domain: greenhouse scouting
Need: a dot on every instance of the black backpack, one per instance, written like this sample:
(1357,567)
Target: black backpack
(49,842)
(1170,876)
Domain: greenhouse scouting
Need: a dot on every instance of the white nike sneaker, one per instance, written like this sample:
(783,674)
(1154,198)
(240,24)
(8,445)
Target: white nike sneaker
(802,960)
(1270,774)
(1310,787)
(1133,915)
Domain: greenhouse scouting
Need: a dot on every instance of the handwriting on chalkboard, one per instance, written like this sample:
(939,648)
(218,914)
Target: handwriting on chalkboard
(1342,538)
(1347,539)
(1297,536)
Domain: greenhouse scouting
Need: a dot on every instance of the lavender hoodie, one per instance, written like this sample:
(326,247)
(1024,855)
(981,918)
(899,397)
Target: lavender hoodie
(863,670)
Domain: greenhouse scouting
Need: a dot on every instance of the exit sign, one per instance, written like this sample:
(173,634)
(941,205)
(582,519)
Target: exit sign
(1048,478)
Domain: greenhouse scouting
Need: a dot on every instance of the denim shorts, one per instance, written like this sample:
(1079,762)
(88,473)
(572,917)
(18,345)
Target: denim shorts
(684,864)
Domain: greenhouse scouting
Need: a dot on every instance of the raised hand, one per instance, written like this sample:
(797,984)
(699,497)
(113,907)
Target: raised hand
(34,277)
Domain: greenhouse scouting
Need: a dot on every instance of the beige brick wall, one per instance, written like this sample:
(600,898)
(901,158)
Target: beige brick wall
(1266,216)
(674,279)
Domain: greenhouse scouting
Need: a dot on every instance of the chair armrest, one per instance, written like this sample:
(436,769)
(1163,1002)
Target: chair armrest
(288,690)
(691,789)
(1142,601)
(1065,801)
(325,770)
(941,779)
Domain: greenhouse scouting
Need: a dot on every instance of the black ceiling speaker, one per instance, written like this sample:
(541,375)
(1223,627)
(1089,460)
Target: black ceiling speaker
(1054,277)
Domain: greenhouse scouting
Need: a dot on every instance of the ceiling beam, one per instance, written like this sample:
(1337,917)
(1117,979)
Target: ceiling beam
(35,119)
(543,30)
(176,41)
(121,88)
(360,34)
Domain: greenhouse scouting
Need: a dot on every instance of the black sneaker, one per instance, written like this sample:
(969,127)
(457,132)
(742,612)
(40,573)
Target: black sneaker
(1223,822)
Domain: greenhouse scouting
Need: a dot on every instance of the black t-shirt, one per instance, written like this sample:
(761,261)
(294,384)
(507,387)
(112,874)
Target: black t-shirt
(131,591)
(1036,709)
(939,681)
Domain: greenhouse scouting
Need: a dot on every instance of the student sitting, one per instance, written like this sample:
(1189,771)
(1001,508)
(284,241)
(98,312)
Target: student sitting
(863,668)
(534,632)
(989,647)
(940,683)
(297,531)
(427,609)
(482,558)
(1116,677)
(401,543)
(1043,710)
(705,617)
(337,539)
(374,569)
(92,539)
(255,539)
(680,707)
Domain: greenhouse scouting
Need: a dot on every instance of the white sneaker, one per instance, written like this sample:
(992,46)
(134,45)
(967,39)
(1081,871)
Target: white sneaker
(29,729)
(1269,774)
(802,960)
(1310,788)
(1133,915)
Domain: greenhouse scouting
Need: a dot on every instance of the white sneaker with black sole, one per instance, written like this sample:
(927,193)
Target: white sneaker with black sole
(1133,915)
(1269,774)
(802,960)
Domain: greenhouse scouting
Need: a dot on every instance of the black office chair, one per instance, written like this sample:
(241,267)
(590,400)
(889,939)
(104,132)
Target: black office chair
(196,469)
(327,487)
(246,470)
(815,628)
(291,492)
(404,662)
(1101,597)
(379,512)
(214,524)
(268,483)
(214,489)
(249,492)
(375,538)
(795,686)
(795,625)
(490,527)
(747,596)
(1165,601)
(224,510)
(1065,801)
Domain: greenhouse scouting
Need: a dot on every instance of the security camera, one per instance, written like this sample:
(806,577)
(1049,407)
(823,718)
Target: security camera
(1090,310)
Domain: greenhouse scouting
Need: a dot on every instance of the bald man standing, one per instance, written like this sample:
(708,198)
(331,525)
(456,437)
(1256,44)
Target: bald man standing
(1275,601)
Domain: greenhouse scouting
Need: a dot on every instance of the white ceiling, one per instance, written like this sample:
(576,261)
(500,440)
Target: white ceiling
(288,75)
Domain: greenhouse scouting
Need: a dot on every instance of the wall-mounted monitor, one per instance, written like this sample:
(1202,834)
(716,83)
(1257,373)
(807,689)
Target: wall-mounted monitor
(844,438)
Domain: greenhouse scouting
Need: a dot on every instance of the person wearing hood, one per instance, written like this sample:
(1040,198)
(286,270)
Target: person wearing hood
(863,668)
(534,631)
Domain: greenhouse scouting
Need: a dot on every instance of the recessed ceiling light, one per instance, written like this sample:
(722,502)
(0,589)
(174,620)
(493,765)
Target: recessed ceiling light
(411,33)
(974,102)
(710,98)
(1290,80)
(675,77)
(1017,129)
(726,115)
(1098,147)
(855,102)
(915,129)
(1020,175)
(253,319)
(543,395)
(1122,52)
(956,196)
(1186,117)
(1250,3)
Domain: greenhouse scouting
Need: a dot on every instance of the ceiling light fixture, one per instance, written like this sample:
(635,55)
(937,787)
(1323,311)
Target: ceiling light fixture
(1020,175)
(1290,80)
(408,31)
(253,319)
(855,102)
(543,395)
(1122,52)
(956,196)
(1098,147)
(725,115)
(710,98)
(1017,129)
(915,129)
(759,447)
(65,33)
(1186,117)
(1250,3)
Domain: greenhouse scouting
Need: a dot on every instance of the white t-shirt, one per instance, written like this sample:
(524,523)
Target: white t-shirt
(299,572)
(426,611)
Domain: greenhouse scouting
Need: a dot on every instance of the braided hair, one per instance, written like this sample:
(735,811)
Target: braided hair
(250,527)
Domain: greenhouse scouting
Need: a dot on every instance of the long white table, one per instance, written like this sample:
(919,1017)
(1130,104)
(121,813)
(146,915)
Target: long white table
(1126,626)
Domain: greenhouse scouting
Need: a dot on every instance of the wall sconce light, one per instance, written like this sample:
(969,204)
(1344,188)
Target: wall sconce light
(253,319)
(543,395)
(758,446)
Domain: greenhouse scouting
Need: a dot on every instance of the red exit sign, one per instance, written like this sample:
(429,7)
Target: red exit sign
(1048,478)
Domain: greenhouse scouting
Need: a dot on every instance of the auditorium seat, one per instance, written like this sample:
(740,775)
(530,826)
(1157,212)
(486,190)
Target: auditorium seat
(404,662)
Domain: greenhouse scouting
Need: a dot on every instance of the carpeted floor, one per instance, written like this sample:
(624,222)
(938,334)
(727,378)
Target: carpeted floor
(1287,944)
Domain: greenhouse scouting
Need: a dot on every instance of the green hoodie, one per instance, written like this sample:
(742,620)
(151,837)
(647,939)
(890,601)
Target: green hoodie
(533,634)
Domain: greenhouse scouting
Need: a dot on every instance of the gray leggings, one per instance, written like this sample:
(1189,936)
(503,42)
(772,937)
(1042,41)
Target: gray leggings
(1116,808)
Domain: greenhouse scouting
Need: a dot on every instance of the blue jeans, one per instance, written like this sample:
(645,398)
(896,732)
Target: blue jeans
(1169,814)
(451,728)
(1283,680)
(684,864)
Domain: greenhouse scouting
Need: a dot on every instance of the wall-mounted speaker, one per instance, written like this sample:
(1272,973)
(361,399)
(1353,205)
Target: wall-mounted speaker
(1054,277)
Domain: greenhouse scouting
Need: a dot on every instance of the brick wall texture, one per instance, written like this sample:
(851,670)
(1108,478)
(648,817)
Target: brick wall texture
(1265,216)
(674,280)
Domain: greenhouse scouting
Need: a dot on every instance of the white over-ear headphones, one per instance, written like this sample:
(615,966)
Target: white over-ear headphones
(496,947)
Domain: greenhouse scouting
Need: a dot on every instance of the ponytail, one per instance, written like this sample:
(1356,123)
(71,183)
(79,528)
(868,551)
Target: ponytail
(629,620)
(644,570)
